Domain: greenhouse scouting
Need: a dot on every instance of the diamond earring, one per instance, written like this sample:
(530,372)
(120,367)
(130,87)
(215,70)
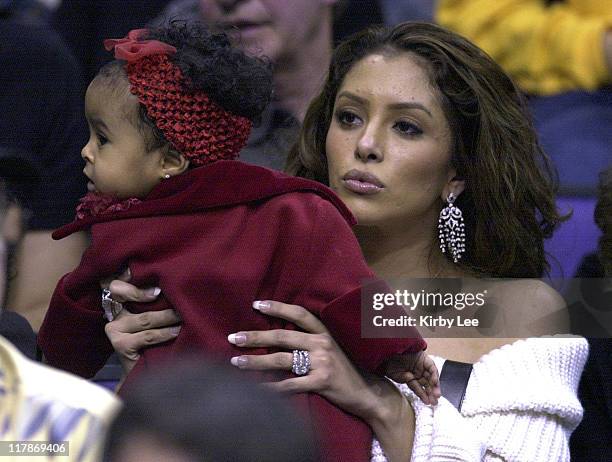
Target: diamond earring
(451,229)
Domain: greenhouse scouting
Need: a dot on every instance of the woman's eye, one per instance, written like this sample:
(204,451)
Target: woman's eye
(348,118)
(407,128)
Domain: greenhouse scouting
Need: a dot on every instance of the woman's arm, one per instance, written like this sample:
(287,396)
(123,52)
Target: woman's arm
(406,428)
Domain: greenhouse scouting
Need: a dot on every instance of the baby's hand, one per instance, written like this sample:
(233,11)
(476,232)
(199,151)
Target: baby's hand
(419,372)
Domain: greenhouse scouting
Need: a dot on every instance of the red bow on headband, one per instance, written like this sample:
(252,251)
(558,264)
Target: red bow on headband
(131,48)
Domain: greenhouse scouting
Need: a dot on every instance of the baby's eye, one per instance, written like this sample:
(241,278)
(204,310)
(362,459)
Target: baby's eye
(102,140)
(348,118)
(407,128)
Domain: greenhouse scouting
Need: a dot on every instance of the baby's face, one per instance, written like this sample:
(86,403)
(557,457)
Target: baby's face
(116,159)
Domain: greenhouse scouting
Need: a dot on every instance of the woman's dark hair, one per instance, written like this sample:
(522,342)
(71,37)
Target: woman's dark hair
(212,414)
(508,203)
(238,83)
(603,218)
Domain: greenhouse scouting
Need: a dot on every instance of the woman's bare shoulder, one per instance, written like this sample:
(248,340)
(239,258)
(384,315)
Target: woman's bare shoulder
(531,292)
(530,308)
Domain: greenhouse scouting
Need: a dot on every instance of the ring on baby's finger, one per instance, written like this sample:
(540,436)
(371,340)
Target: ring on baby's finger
(111,307)
(301,362)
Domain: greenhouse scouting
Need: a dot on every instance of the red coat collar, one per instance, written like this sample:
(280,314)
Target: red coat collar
(221,184)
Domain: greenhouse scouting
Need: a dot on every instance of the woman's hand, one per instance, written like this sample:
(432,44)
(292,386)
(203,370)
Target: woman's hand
(129,333)
(331,375)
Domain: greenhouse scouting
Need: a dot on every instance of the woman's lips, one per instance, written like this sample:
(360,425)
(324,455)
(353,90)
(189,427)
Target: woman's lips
(362,182)
(361,187)
(91,187)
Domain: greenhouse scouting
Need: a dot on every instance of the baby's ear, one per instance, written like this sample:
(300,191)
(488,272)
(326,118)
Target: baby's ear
(174,163)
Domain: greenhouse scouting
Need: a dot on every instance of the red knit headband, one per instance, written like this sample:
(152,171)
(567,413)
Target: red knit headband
(196,126)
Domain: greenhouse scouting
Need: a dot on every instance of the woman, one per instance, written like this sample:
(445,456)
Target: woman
(408,119)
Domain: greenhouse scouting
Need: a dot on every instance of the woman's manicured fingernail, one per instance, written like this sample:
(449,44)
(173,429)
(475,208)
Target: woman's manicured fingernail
(236,339)
(239,361)
(261,306)
(175,330)
(153,291)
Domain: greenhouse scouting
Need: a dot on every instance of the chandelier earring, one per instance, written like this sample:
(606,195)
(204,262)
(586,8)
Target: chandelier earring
(451,230)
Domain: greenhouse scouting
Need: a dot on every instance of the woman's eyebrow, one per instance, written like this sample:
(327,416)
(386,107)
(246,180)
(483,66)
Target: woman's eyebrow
(411,105)
(354,97)
(393,106)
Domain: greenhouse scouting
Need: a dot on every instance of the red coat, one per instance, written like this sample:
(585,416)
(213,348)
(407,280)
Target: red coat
(214,239)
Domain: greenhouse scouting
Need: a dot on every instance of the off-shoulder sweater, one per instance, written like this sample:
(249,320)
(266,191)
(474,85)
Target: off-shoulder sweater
(521,404)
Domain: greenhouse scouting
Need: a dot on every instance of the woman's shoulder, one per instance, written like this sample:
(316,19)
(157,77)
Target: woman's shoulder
(532,292)
(516,394)
(537,374)
(551,358)
(522,399)
(530,307)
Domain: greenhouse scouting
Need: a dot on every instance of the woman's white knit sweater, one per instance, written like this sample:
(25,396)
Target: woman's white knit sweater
(521,404)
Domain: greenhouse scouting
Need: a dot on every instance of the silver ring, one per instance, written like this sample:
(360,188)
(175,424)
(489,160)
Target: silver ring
(301,362)
(111,307)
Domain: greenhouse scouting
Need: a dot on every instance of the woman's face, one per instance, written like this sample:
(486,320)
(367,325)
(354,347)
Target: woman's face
(388,145)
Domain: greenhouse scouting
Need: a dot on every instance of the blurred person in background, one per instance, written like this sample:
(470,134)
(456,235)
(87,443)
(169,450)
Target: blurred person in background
(196,411)
(44,405)
(591,440)
(38,403)
(41,105)
(18,177)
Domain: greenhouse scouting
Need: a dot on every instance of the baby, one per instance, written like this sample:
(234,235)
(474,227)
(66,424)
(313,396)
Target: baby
(168,200)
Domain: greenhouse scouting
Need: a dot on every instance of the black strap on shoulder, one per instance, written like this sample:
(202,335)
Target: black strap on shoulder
(453,381)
